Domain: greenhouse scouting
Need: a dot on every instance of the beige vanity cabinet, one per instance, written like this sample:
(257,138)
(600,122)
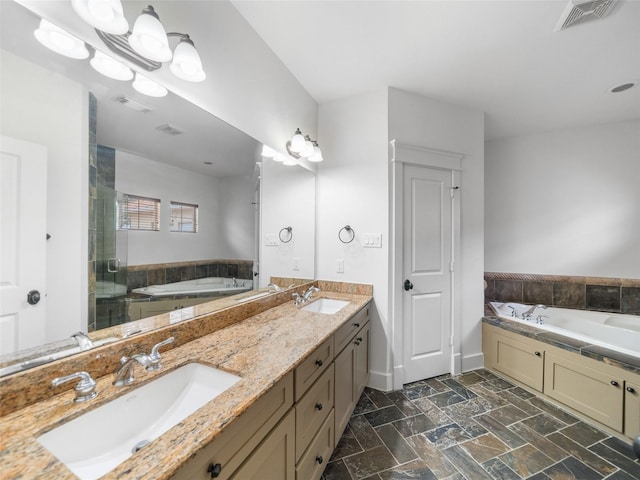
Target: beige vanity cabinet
(631,409)
(514,355)
(274,458)
(221,458)
(591,387)
(352,370)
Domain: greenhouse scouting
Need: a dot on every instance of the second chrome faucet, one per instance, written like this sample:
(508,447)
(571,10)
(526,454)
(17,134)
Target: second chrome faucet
(151,361)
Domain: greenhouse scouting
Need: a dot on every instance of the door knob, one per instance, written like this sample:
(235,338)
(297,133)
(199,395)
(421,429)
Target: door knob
(408,285)
(33,297)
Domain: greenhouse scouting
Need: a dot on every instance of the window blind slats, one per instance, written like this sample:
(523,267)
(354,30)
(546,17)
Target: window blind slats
(139,213)
(184,217)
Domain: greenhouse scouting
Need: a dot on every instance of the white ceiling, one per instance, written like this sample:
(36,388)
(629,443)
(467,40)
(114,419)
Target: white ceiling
(501,57)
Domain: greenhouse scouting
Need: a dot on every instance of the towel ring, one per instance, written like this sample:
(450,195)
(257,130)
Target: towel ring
(350,231)
(287,236)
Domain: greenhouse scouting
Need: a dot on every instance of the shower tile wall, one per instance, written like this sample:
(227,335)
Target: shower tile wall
(93,155)
(617,295)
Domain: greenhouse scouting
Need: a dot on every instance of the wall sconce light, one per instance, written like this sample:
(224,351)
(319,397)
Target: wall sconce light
(302,146)
(60,41)
(269,152)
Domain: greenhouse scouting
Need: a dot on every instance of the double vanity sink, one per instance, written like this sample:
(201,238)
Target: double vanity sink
(113,435)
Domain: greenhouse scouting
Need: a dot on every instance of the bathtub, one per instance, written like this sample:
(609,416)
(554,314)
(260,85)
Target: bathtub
(610,330)
(201,286)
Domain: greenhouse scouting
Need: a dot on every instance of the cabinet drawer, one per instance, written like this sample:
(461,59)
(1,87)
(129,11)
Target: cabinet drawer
(312,367)
(346,332)
(314,460)
(313,409)
(237,441)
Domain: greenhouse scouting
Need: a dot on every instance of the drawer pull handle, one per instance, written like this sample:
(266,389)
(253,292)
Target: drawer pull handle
(214,470)
(319,363)
(614,383)
(319,459)
(357,342)
(537,354)
(631,390)
(356,325)
(318,406)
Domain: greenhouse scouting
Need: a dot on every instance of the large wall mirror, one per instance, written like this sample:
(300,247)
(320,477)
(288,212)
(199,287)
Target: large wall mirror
(115,206)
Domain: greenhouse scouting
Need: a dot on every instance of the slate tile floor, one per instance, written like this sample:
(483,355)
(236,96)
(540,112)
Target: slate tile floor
(473,426)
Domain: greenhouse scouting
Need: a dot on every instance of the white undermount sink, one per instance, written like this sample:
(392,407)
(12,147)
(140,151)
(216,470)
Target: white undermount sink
(327,306)
(98,441)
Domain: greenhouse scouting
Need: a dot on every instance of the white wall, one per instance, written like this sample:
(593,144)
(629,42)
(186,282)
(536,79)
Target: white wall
(222,233)
(288,199)
(60,124)
(565,202)
(353,189)
(420,121)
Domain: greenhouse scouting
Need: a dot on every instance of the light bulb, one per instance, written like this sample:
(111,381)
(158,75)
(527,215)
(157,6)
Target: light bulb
(148,87)
(60,41)
(308,147)
(110,67)
(297,142)
(105,15)
(186,62)
(317,154)
(149,38)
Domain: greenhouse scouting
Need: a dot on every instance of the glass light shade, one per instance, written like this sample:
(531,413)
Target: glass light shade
(268,152)
(110,67)
(148,87)
(289,161)
(186,62)
(279,158)
(308,148)
(317,155)
(105,15)
(60,41)
(297,142)
(149,38)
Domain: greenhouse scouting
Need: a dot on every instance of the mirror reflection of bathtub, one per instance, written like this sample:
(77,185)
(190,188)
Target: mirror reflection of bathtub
(619,332)
(157,299)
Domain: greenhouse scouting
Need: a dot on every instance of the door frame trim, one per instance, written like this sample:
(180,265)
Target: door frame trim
(401,154)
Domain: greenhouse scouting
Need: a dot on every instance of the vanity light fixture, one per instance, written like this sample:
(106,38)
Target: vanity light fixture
(147,45)
(148,87)
(110,67)
(60,41)
(303,146)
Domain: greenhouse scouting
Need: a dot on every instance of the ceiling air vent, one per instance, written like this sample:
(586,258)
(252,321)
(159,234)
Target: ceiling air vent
(132,104)
(578,11)
(169,129)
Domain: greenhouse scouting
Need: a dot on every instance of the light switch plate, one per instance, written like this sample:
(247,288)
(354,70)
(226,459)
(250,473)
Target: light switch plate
(271,239)
(372,240)
(340,265)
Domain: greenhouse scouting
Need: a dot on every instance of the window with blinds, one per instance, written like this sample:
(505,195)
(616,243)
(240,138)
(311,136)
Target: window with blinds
(138,213)
(184,217)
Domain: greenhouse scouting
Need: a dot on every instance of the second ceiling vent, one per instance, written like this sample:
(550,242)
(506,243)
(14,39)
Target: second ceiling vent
(578,11)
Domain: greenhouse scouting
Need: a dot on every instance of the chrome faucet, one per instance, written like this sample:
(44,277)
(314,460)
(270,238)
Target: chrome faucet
(274,287)
(529,313)
(234,282)
(84,342)
(306,296)
(151,362)
(84,390)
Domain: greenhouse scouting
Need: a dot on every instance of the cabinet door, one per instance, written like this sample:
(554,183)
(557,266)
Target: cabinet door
(274,458)
(586,386)
(521,360)
(631,410)
(362,361)
(345,380)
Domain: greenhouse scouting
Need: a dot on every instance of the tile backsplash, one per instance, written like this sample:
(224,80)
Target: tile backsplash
(619,295)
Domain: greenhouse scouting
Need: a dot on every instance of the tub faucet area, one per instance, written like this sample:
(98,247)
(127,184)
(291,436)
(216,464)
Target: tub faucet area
(529,313)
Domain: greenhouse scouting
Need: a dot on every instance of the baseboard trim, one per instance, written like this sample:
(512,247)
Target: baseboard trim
(472,362)
(381,381)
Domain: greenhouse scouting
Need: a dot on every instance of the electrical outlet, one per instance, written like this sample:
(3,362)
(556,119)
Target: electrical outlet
(296,263)
(340,265)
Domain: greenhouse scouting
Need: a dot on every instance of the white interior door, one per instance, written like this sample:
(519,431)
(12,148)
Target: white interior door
(427,268)
(23,187)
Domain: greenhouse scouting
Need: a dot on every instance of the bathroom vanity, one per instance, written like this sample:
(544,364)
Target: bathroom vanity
(301,373)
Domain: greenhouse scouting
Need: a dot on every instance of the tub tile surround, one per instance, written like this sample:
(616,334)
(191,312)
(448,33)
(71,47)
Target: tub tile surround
(273,338)
(616,295)
(139,276)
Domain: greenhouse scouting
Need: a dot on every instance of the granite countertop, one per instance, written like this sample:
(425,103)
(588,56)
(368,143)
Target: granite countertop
(596,352)
(261,349)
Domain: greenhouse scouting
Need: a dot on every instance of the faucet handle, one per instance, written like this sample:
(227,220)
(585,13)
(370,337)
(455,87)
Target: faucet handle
(84,390)
(297,299)
(154,356)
